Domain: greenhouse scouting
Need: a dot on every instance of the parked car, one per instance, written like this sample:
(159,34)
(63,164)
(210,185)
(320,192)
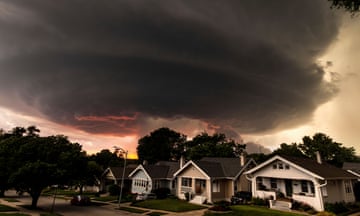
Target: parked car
(143,196)
(80,200)
(241,197)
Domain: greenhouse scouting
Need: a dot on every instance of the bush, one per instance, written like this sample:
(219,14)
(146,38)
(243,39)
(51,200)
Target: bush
(221,206)
(260,202)
(114,190)
(336,208)
(162,193)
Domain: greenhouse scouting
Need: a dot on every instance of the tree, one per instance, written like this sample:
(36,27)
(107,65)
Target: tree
(217,145)
(106,158)
(161,144)
(90,175)
(330,151)
(30,162)
(290,150)
(351,6)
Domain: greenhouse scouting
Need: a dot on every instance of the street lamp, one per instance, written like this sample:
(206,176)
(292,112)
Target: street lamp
(121,151)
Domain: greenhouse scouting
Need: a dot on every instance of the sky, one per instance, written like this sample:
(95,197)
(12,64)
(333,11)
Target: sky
(106,73)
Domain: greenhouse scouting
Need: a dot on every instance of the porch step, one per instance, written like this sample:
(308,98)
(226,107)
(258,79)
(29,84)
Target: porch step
(280,205)
(198,199)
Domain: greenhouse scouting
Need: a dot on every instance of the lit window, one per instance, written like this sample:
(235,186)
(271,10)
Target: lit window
(216,186)
(347,186)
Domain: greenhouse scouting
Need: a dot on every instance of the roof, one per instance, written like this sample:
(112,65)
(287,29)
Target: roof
(218,167)
(118,171)
(353,167)
(312,167)
(160,170)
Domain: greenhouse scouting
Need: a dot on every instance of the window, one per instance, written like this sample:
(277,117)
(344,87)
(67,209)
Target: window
(281,166)
(347,186)
(186,182)
(312,188)
(259,183)
(216,186)
(304,186)
(273,183)
(324,191)
(274,166)
(287,166)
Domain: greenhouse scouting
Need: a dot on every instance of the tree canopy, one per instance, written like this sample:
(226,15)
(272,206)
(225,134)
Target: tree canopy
(351,6)
(34,162)
(166,144)
(331,152)
(161,144)
(216,145)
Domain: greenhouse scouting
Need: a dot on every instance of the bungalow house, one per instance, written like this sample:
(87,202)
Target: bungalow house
(302,180)
(146,178)
(113,175)
(212,179)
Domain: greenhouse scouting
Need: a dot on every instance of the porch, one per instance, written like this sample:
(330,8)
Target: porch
(281,192)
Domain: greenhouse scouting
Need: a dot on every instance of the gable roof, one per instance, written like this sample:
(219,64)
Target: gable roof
(160,170)
(218,167)
(117,172)
(309,166)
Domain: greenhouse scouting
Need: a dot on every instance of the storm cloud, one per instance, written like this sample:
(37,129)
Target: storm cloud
(109,66)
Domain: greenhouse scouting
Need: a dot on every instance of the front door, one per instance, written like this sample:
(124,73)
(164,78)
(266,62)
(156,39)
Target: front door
(288,187)
(200,186)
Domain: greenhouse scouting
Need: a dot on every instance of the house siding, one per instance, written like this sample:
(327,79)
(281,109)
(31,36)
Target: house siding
(141,183)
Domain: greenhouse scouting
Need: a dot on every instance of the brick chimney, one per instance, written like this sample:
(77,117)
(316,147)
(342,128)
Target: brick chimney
(182,161)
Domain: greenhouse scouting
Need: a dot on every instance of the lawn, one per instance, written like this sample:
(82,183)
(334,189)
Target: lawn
(133,210)
(5,208)
(11,200)
(106,198)
(172,205)
(13,214)
(252,210)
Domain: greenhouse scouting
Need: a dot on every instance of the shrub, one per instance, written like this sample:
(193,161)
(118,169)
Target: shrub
(162,193)
(260,202)
(336,208)
(221,206)
(113,190)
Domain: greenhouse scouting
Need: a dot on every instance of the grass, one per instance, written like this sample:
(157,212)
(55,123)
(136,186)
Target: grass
(11,200)
(172,205)
(5,208)
(252,211)
(106,198)
(13,214)
(132,210)
(50,214)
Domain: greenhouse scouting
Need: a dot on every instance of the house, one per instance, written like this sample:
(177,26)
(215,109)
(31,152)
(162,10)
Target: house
(113,175)
(301,179)
(146,178)
(212,179)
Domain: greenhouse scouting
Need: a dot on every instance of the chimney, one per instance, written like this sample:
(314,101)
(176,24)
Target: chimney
(318,157)
(182,161)
(242,159)
(145,163)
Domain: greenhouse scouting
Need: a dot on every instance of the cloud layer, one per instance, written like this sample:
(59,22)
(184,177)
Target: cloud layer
(110,66)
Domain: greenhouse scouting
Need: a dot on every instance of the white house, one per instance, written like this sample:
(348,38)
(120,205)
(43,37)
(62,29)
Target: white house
(146,178)
(212,179)
(301,179)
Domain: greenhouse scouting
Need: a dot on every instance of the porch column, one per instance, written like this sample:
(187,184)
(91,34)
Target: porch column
(209,189)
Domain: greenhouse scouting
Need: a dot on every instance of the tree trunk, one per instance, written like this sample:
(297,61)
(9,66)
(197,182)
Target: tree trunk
(35,197)
(2,192)
(81,189)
